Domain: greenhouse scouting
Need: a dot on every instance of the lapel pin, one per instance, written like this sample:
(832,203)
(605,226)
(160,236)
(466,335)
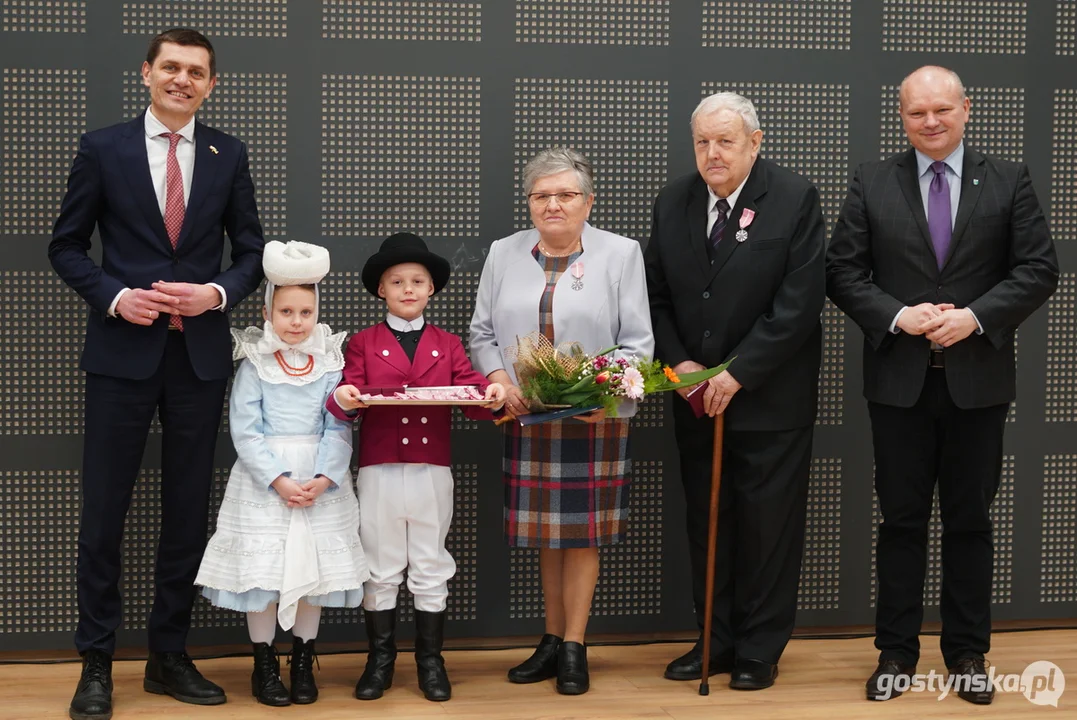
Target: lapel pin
(975,181)
(213,149)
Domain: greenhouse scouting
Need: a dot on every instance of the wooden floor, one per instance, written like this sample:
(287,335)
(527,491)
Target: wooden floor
(819,679)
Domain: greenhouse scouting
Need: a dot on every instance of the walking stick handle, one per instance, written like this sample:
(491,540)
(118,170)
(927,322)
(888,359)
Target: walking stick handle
(712,541)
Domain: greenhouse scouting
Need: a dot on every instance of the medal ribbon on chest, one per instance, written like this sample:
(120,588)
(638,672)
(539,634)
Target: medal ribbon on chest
(576,270)
(746,217)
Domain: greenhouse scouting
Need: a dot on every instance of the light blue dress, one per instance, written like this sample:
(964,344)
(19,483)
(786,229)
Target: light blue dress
(263,550)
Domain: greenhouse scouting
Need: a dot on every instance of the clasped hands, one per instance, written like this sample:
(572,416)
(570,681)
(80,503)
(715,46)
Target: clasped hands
(943,324)
(300,494)
(143,307)
(348,397)
(720,389)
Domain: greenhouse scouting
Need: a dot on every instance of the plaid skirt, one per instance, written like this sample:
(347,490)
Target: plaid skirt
(566,484)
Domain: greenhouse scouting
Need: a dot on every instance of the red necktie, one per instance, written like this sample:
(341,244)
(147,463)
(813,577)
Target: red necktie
(174,205)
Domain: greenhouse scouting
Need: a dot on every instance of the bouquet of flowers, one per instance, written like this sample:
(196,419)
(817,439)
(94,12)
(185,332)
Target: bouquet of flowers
(565,376)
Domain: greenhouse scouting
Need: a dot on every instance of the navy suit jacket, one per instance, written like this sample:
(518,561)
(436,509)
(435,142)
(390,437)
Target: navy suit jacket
(1001,265)
(110,188)
(759,302)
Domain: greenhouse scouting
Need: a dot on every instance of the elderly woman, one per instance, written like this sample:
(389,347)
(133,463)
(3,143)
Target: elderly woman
(566,482)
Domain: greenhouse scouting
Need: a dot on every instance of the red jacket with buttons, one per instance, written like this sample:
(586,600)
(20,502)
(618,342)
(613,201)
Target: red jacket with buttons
(398,433)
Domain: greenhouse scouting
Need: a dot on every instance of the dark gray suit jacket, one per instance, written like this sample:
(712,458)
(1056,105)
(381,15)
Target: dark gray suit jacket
(758,303)
(1001,265)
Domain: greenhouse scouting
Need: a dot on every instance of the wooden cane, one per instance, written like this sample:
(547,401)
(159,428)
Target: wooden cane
(712,542)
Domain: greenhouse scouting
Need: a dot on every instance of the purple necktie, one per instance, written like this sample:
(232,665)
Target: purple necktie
(938,212)
(719,227)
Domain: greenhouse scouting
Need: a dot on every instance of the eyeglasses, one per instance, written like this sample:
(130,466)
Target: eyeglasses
(543,199)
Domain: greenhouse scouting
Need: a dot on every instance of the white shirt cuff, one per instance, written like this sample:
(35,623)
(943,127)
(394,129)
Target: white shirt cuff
(893,326)
(115,302)
(224,297)
(979,327)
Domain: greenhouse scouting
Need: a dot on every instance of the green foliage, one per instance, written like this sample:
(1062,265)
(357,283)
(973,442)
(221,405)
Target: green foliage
(572,380)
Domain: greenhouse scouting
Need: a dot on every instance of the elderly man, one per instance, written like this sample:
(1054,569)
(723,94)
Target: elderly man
(162,190)
(735,272)
(938,255)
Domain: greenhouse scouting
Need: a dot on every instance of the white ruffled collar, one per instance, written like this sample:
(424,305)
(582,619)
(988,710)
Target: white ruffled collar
(259,345)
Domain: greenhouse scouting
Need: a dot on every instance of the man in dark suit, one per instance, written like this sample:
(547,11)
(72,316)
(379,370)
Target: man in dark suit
(735,272)
(161,190)
(939,254)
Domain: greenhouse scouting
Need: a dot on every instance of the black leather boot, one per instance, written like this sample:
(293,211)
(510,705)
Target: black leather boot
(429,637)
(572,676)
(301,672)
(93,696)
(266,683)
(381,655)
(542,665)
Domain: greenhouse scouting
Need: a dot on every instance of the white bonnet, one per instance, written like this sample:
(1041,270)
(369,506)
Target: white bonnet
(294,263)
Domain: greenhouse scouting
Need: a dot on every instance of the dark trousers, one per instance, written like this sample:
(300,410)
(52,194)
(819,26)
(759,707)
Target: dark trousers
(761,515)
(118,416)
(962,450)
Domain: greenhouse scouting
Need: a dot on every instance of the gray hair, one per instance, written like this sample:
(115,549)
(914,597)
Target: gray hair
(954,78)
(555,160)
(731,101)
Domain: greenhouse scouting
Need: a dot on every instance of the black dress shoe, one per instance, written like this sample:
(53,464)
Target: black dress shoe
(884,683)
(173,673)
(266,684)
(751,674)
(542,665)
(972,681)
(93,696)
(690,665)
(572,675)
(301,672)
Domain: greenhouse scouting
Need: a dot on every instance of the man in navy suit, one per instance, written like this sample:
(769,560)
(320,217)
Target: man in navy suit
(938,255)
(162,190)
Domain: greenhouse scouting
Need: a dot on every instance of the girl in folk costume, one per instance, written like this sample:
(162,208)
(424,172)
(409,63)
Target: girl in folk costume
(405,486)
(287,538)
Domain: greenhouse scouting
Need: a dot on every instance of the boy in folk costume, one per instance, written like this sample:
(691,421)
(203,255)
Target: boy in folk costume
(405,486)
(287,538)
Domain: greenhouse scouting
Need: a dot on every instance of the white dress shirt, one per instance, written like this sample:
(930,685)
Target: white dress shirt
(399,324)
(157,155)
(712,208)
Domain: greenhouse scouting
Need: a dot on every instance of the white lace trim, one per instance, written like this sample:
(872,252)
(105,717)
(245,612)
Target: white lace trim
(259,344)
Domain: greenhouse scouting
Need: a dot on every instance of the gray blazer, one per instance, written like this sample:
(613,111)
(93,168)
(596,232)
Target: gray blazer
(610,309)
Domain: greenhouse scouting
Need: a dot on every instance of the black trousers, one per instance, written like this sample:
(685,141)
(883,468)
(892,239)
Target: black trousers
(962,450)
(118,416)
(761,516)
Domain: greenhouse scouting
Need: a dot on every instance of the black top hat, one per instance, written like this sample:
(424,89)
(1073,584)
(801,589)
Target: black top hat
(404,248)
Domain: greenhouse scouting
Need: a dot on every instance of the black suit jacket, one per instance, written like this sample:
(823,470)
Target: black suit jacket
(1001,265)
(110,188)
(759,302)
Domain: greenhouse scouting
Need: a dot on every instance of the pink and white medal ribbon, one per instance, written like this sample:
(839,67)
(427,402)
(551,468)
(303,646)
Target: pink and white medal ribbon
(576,269)
(746,217)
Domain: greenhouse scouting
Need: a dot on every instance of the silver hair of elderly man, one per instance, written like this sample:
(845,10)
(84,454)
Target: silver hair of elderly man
(731,101)
(556,160)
